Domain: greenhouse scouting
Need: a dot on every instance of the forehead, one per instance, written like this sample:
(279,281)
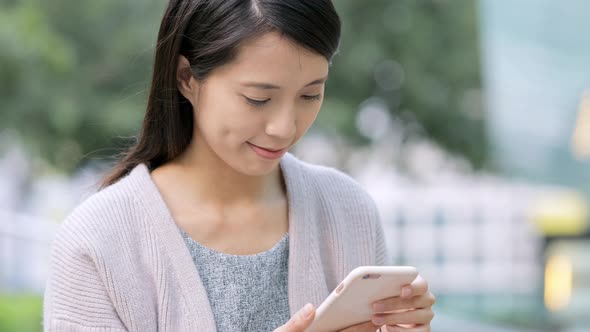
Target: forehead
(275,58)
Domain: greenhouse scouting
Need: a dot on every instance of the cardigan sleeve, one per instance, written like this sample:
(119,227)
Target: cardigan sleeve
(75,297)
(381,252)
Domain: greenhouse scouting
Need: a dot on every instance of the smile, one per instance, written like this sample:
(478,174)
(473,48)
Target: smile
(267,153)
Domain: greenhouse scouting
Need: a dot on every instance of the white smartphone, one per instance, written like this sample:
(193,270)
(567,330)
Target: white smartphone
(351,302)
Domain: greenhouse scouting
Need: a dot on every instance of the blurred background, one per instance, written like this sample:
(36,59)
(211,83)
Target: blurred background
(468,121)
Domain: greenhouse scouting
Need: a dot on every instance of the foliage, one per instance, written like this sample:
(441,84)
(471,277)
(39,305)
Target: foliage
(21,313)
(432,48)
(74,74)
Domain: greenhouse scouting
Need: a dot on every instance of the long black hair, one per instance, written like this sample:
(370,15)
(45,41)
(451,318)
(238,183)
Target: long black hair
(208,33)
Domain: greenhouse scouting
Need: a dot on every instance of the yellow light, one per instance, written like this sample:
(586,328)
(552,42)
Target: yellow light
(560,213)
(581,137)
(558,282)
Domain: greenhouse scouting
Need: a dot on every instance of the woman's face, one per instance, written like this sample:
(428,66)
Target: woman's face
(268,96)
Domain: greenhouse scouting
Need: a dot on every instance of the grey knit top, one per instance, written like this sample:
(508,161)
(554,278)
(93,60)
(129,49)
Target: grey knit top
(246,292)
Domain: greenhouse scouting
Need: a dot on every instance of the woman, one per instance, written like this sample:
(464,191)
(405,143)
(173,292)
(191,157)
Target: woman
(208,223)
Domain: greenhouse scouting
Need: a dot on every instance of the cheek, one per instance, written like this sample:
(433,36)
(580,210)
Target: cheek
(240,124)
(230,124)
(306,118)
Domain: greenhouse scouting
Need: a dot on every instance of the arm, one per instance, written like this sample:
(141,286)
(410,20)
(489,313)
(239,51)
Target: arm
(75,296)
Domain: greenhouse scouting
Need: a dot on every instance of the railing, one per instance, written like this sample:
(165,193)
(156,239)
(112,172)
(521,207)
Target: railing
(24,252)
(473,243)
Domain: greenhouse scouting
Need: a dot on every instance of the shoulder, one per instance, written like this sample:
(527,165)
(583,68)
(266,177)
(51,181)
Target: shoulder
(106,214)
(338,189)
(345,205)
(330,180)
(92,258)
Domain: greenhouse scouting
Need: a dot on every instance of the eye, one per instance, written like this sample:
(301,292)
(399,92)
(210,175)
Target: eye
(257,102)
(311,97)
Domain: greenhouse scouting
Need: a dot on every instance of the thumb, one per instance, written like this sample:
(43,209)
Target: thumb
(300,321)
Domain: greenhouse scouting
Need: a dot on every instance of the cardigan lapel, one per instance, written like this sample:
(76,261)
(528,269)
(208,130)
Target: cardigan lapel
(192,289)
(306,275)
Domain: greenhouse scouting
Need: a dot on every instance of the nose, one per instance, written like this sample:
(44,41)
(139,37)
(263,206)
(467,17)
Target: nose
(282,124)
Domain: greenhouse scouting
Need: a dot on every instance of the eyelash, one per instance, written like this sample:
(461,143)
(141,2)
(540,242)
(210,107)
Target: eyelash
(260,103)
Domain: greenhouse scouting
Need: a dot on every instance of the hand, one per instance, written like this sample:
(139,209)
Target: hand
(411,311)
(300,321)
(363,327)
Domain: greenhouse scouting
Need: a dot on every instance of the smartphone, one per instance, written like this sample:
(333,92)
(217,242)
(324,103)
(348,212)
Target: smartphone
(351,302)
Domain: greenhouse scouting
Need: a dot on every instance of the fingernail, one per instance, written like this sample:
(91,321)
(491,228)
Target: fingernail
(378,321)
(406,292)
(378,307)
(307,310)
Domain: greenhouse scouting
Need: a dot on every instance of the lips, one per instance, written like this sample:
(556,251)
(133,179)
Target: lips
(266,153)
(267,149)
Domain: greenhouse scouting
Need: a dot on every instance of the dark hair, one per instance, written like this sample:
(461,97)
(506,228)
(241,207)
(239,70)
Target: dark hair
(208,33)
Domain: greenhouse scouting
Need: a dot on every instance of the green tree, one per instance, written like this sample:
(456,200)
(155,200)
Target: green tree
(427,55)
(74,75)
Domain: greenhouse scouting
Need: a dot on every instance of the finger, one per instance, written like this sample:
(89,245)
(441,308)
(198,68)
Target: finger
(417,287)
(363,327)
(300,321)
(418,316)
(397,303)
(398,328)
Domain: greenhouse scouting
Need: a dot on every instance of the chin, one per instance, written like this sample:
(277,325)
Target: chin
(258,168)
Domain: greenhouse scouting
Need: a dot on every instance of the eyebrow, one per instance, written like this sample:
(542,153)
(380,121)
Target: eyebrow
(269,86)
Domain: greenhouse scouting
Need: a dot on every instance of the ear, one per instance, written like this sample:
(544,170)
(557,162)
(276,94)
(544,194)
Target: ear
(186,82)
